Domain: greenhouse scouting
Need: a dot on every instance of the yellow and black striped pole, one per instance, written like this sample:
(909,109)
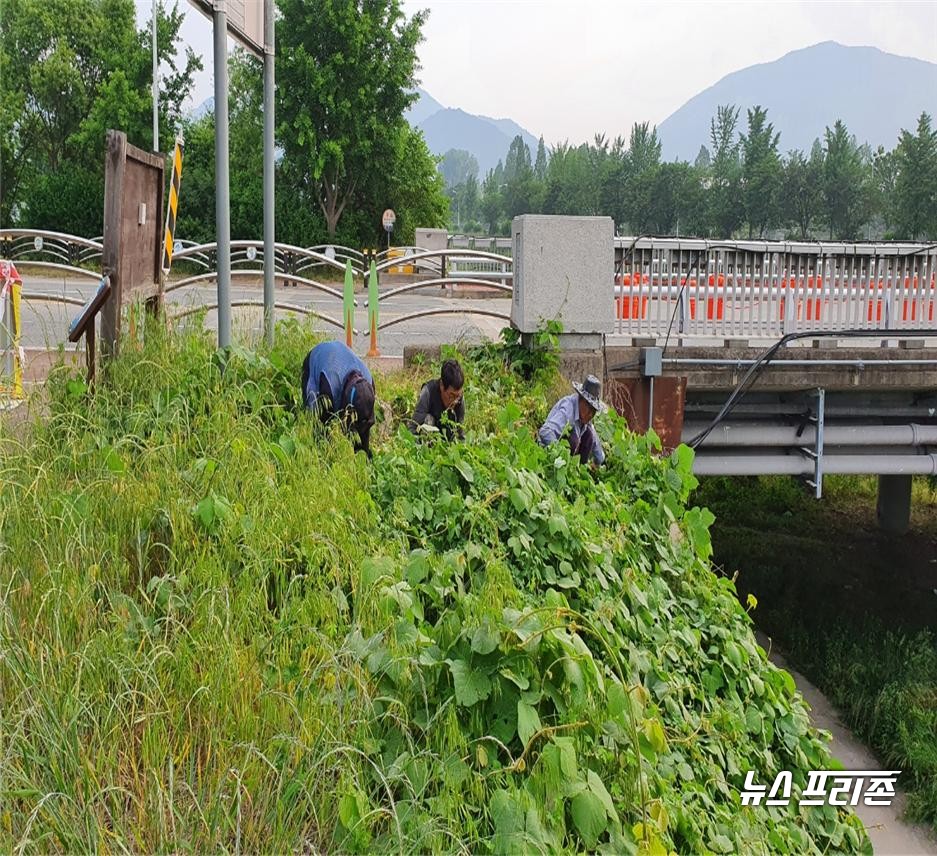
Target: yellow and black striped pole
(173,205)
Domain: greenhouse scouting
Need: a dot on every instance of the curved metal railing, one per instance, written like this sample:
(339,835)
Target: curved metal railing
(36,245)
(287,307)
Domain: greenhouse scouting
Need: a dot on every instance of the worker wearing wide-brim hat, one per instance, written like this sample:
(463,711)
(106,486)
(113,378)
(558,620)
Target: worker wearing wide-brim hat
(575,412)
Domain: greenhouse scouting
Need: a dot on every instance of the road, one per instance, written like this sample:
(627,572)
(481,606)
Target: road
(45,324)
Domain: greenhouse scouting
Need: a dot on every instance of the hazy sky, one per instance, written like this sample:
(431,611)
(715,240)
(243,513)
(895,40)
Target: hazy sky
(569,68)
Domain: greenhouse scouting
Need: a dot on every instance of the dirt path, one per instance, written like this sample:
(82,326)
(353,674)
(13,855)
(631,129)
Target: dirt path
(889,834)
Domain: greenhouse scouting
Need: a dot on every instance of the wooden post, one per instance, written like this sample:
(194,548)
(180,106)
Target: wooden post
(115,164)
(90,353)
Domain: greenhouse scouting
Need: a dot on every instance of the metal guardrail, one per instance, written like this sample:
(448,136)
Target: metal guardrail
(39,245)
(759,289)
(691,288)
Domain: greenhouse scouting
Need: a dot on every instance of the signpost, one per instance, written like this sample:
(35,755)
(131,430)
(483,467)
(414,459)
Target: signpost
(388,218)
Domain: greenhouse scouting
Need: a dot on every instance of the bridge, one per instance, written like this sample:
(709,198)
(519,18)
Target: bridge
(799,358)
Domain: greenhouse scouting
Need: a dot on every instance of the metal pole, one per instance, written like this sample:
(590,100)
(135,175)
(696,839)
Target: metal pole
(155,86)
(269,219)
(222,200)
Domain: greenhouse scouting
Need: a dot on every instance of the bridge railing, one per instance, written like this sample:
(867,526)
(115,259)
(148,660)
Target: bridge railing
(758,289)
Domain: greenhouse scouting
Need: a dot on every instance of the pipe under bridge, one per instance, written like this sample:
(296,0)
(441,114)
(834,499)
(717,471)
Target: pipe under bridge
(830,404)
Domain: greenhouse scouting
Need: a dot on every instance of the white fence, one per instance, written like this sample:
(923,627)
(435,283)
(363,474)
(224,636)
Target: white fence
(758,289)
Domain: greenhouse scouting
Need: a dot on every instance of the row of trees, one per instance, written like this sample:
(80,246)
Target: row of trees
(71,69)
(739,186)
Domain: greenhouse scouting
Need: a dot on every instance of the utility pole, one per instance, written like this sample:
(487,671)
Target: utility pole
(269,220)
(155,86)
(222,180)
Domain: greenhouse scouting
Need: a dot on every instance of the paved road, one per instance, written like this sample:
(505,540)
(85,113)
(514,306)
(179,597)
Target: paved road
(45,324)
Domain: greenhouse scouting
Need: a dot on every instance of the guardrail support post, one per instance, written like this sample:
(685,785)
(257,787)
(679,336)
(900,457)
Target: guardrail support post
(348,304)
(373,304)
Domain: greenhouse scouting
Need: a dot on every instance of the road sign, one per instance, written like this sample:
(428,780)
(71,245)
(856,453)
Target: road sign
(174,185)
(245,20)
(388,219)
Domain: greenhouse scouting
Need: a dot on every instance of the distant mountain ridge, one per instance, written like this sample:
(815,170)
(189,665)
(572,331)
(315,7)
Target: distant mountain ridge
(875,93)
(447,128)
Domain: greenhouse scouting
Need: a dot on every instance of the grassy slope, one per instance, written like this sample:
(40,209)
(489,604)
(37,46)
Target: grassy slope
(220,630)
(855,608)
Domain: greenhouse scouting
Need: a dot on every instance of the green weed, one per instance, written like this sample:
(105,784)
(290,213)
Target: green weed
(222,630)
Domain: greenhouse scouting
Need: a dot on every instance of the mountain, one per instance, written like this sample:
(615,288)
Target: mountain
(875,93)
(511,129)
(447,128)
(422,108)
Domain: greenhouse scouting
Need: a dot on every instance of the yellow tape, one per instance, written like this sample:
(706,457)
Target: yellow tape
(17,363)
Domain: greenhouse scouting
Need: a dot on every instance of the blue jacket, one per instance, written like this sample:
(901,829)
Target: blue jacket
(324,372)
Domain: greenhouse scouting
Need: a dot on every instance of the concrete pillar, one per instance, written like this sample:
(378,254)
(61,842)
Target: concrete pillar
(564,269)
(894,504)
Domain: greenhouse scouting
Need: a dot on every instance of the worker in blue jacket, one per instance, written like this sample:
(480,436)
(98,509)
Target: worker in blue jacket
(336,383)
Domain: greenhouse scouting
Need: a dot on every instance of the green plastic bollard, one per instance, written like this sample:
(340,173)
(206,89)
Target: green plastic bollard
(348,303)
(373,306)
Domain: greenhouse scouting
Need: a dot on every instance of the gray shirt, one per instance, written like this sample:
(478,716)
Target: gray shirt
(566,413)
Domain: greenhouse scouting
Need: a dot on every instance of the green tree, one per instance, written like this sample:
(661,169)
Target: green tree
(640,173)
(802,190)
(71,69)
(465,201)
(540,164)
(414,187)
(726,206)
(196,220)
(345,73)
(703,160)
(916,181)
(457,166)
(672,193)
(517,162)
(884,182)
(615,170)
(568,186)
(491,204)
(845,183)
(761,173)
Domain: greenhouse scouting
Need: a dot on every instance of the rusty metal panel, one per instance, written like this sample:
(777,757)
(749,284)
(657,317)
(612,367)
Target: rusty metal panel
(631,398)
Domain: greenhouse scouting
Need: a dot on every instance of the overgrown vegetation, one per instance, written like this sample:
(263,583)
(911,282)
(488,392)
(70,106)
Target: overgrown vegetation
(851,607)
(222,630)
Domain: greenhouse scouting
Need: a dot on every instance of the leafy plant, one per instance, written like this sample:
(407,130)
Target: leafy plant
(222,629)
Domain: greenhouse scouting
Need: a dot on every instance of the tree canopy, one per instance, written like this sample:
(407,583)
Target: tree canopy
(71,69)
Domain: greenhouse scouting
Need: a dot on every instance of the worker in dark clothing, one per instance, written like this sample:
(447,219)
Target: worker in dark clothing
(440,404)
(336,383)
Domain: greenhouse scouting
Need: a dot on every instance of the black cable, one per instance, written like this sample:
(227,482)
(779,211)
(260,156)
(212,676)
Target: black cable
(765,358)
(676,304)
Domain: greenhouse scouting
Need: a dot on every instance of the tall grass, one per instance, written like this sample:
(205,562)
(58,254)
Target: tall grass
(840,610)
(221,630)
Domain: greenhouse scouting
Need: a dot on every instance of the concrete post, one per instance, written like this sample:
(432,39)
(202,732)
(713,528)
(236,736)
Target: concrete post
(564,269)
(894,504)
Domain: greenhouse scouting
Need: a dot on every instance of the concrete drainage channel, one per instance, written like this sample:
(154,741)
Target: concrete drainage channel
(889,833)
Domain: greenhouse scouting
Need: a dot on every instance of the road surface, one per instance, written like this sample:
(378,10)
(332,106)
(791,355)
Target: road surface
(45,325)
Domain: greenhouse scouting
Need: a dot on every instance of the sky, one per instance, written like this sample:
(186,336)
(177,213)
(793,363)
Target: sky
(570,68)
